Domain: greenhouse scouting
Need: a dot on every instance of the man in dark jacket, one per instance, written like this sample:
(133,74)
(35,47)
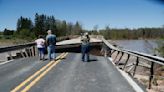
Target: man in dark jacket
(51,42)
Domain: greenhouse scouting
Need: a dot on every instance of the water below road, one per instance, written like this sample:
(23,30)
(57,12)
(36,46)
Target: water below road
(145,46)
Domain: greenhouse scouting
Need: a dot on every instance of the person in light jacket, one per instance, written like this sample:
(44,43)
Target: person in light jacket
(40,42)
(85,39)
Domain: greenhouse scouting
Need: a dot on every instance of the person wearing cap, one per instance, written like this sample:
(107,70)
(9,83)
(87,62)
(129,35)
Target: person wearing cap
(40,42)
(85,39)
(51,42)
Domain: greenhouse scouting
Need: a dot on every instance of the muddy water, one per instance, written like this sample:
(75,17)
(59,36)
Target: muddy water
(145,46)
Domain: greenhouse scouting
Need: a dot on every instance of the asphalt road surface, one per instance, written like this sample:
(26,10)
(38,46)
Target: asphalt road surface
(69,74)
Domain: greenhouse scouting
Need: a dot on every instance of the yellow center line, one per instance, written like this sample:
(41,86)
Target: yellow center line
(41,75)
(63,56)
(34,75)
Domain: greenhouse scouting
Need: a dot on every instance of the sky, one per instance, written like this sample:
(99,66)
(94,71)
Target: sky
(90,13)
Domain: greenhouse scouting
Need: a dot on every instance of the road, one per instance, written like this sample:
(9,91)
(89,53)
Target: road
(67,75)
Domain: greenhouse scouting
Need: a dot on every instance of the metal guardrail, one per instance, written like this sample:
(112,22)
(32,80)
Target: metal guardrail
(24,50)
(16,47)
(110,49)
(151,58)
(155,59)
(22,46)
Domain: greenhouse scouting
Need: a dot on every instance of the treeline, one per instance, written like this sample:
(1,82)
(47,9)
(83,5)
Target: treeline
(27,29)
(140,33)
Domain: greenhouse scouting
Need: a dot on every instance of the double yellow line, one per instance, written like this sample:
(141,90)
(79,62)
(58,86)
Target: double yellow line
(40,73)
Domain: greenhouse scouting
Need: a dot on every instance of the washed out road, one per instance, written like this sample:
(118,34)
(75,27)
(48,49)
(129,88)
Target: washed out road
(67,74)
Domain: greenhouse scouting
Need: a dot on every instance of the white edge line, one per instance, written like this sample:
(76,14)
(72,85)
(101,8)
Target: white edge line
(135,86)
(5,62)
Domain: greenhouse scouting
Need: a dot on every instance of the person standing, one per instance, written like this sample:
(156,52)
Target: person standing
(51,42)
(40,42)
(85,39)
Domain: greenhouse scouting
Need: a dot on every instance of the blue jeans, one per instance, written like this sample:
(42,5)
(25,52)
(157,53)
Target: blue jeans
(41,52)
(85,52)
(51,52)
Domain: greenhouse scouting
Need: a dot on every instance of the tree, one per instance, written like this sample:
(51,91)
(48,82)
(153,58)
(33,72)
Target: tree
(77,29)
(39,25)
(7,32)
(24,28)
(69,28)
(24,23)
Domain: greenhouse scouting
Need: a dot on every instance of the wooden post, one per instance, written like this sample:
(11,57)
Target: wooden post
(36,51)
(22,54)
(33,50)
(126,62)
(151,74)
(29,54)
(26,52)
(135,67)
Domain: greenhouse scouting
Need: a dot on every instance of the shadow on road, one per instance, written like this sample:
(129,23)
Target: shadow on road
(92,60)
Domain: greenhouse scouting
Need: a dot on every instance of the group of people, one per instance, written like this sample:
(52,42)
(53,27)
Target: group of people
(50,43)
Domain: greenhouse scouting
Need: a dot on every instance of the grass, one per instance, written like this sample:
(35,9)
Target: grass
(9,42)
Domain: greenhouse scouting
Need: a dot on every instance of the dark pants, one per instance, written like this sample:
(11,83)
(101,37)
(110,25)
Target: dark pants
(85,52)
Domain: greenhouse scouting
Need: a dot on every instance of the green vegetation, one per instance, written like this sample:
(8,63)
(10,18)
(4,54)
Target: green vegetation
(27,29)
(140,33)
(30,30)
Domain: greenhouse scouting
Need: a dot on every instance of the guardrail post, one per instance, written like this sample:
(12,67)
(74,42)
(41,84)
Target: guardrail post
(151,74)
(22,54)
(33,50)
(26,52)
(126,62)
(105,53)
(135,67)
